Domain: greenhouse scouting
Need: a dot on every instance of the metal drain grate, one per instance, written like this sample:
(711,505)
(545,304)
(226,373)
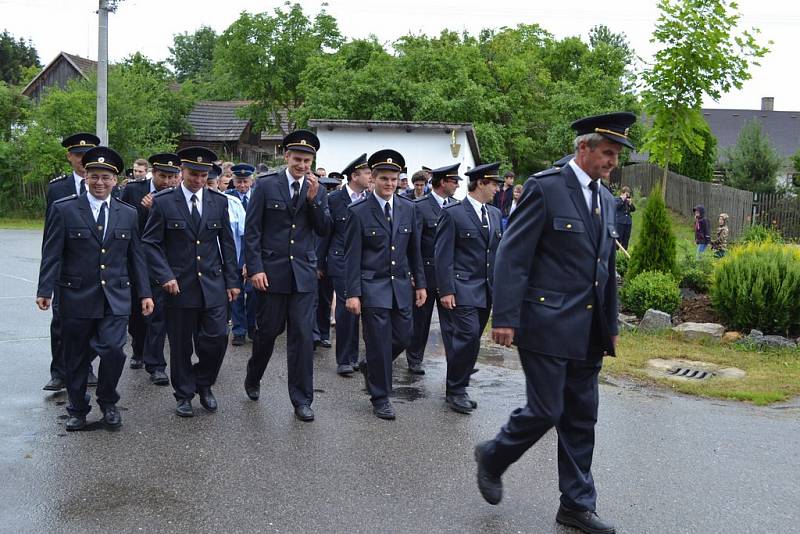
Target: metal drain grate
(689,373)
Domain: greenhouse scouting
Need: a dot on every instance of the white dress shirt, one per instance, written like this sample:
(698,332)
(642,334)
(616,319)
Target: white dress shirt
(439,200)
(94,204)
(585,180)
(78,179)
(352,194)
(290,180)
(477,207)
(384,202)
(188,195)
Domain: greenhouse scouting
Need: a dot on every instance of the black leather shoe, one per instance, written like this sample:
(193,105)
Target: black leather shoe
(355,366)
(136,363)
(471,402)
(55,384)
(304,413)
(344,369)
(253,392)
(489,483)
(585,520)
(76,423)
(384,411)
(459,403)
(237,341)
(159,378)
(111,417)
(91,379)
(416,369)
(207,399)
(184,408)
(326,343)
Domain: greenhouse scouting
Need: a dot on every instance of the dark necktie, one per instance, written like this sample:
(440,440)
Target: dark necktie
(244,202)
(101,221)
(484,222)
(83,186)
(387,210)
(295,193)
(596,221)
(195,213)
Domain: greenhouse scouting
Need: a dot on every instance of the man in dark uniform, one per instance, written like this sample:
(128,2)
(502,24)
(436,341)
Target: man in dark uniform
(243,309)
(445,183)
(148,334)
(358,177)
(385,277)
(65,186)
(287,212)
(466,241)
(192,256)
(558,303)
(322,326)
(91,242)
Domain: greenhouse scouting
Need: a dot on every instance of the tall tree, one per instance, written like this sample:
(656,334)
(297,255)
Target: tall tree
(699,165)
(700,55)
(16,55)
(192,54)
(752,163)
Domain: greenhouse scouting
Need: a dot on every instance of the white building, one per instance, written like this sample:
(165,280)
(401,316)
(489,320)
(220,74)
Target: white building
(432,144)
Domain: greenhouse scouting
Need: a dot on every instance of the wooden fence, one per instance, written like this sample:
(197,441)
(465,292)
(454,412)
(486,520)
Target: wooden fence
(778,211)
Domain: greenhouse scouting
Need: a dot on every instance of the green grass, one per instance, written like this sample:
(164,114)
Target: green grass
(682,227)
(772,376)
(14,223)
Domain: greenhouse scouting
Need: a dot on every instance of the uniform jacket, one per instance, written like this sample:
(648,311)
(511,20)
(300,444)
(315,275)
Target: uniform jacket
(133,193)
(465,256)
(380,261)
(280,241)
(88,269)
(552,272)
(428,211)
(623,211)
(203,260)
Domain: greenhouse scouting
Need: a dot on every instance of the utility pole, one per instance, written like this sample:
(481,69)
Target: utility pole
(105,7)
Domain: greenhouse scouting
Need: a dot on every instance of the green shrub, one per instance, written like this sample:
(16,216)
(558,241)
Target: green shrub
(651,289)
(758,233)
(655,250)
(696,273)
(758,286)
(622,264)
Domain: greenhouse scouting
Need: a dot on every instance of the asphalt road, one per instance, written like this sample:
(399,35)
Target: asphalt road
(663,463)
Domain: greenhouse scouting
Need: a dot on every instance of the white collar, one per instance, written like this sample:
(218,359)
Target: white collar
(188,194)
(95,203)
(384,202)
(439,200)
(78,179)
(291,179)
(350,192)
(152,186)
(477,206)
(583,178)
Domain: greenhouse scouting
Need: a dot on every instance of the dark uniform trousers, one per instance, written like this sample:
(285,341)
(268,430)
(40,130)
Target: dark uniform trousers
(465,325)
(322,327)
(422,327)
(346,326)
(155,334)
(137,328)
(382,349)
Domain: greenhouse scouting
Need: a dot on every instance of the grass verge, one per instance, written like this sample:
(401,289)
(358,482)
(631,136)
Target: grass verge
(772,376)
(13,223)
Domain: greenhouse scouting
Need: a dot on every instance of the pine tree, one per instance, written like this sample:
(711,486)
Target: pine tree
(655,250)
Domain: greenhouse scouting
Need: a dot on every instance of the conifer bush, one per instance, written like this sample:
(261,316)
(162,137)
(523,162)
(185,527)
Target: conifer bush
(655,250)
(757,285)
(651,289)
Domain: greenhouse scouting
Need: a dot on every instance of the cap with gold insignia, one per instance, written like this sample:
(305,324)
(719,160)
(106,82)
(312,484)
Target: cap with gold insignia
(197,158)
(301,141)
(487,171)
(102,157)
(331,181)
(386,160)
(215,171)
(443,173)
(80,142)
(612,126)
(359,163)
(243,170)
(166,162)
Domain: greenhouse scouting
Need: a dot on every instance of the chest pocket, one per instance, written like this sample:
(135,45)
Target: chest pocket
(176,224)
(274,204)
(374,231)
(468,234)
(568,225)
(122,233)
(78,233)
(214,225)
(404,230)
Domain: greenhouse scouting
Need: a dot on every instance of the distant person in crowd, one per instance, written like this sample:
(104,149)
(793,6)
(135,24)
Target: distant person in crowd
(226,177)
(720,243)
(243,309)
(140,169)
(321,172)
(402,183)
(516,194)
(262,168)
(505,196)
(420,181)
(702,229)
(624,222)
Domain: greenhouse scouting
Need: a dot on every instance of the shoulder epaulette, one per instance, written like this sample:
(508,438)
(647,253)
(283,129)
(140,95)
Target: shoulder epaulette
(125,203)
(547,172)
(357,202)
(218,193)
(426,196)
(73,196)
(58,178)
(163,192)
(453,203)
(404,198)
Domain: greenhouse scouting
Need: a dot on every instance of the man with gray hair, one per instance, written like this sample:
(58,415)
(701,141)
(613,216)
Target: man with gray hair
(558,304)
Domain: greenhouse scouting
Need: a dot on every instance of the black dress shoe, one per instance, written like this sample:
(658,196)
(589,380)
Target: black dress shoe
(111,417)
(489,483)
(416,369)
(472,403)
(237,341)
(384,411)
(91,379)
(207,399)
(355,366)
(159,378)
(344,369)
(55,384)
(585,520)
(304,413)
(459,403)
(76,422)
(253,392)
(136,363)
(326,343)
(184,408)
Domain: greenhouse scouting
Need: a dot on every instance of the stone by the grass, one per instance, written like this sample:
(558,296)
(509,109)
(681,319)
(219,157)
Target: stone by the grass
(700,331)
(761,341)
(655,320)
(731,337)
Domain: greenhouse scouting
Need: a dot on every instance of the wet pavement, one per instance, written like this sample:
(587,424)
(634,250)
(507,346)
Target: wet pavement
(663,463)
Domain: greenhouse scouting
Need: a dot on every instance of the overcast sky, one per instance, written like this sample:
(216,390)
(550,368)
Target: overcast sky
(148,26)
